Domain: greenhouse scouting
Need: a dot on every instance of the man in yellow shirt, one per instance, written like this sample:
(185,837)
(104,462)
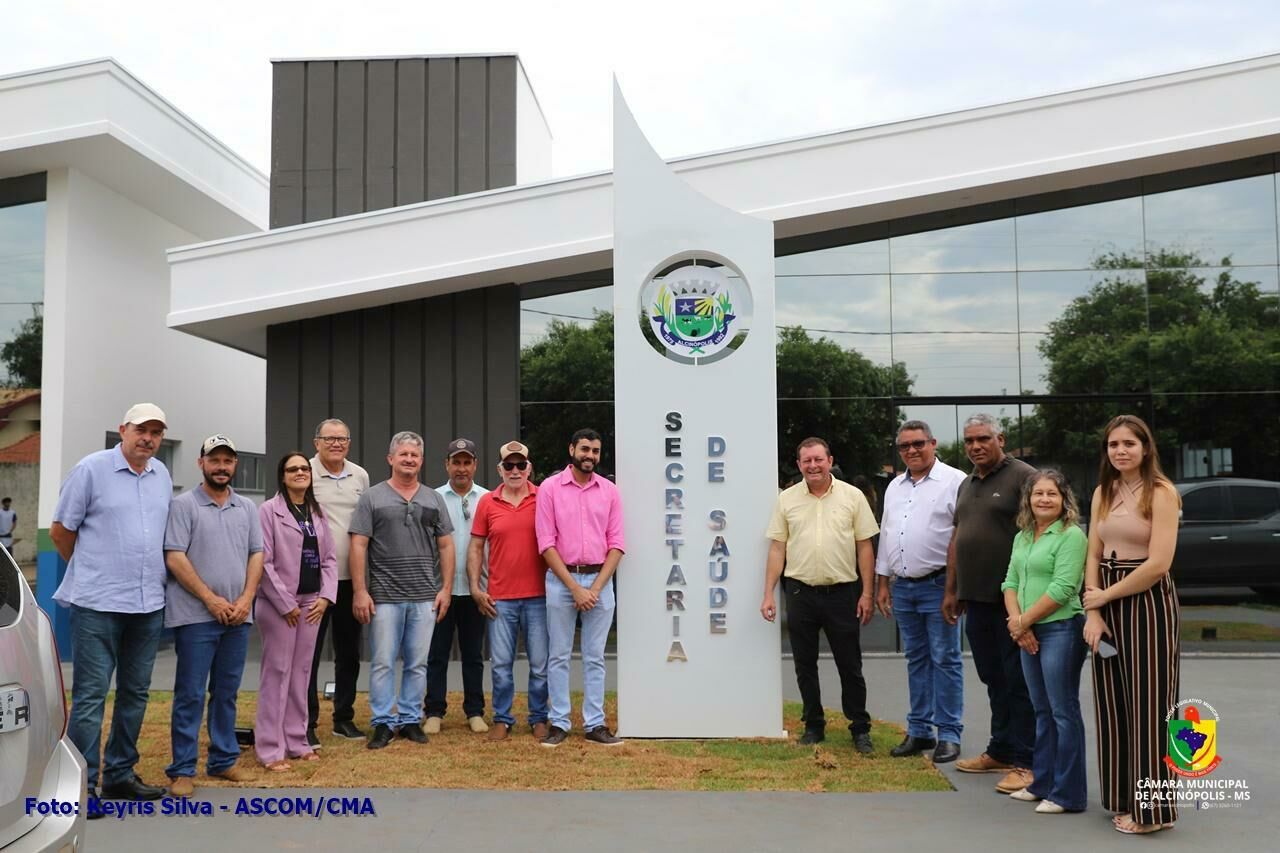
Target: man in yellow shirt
(821,533)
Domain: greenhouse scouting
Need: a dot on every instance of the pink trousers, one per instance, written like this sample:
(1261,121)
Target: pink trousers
(280,729)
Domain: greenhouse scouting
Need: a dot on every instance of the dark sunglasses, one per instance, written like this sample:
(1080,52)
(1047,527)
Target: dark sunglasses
(918,444)
(515,466)
(294,469)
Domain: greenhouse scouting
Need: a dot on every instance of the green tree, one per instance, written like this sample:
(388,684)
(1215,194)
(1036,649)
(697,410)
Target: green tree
(22,354)
(825,390)
(1183,332)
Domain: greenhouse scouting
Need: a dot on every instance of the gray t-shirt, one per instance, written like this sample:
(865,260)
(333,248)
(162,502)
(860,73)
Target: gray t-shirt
(402,562)
(218,541)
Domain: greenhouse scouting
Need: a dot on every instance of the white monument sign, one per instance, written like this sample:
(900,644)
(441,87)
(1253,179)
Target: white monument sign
(696,425)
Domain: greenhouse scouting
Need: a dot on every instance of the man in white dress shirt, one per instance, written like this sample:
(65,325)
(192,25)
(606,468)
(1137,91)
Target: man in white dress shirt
(915,544)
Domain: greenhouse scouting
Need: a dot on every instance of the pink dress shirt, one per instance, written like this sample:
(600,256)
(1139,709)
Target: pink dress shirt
(581,522)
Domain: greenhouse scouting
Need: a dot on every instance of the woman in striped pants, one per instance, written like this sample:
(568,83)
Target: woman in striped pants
(1131,604)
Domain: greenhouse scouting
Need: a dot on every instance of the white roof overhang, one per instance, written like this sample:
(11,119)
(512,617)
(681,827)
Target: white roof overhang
(99,119)
(230,291)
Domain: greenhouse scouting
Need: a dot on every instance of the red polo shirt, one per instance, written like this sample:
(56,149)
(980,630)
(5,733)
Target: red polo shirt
(516,567)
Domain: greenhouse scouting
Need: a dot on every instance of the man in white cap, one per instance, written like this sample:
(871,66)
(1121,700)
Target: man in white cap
(213,548)
(109,527)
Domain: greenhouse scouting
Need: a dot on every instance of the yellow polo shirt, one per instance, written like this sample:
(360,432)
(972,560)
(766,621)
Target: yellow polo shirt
(821,532)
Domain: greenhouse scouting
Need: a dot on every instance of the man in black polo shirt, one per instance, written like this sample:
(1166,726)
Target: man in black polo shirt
(986,521)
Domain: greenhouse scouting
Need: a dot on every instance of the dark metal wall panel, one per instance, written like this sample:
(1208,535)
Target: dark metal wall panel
(349,127)
(315,383)
(473,125)
(288,104)
(24,189)
(283,349)
(443,367)
(502,370)
(317,192)
(502,122)
(442,128)
(411,130)
(380,135)
(377,427)
(439,364)
(352,135)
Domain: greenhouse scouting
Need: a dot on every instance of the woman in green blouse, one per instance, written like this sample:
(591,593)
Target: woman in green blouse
(1042,597)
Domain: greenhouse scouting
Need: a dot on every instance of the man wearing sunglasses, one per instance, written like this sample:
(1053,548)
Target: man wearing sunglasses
(915,548)
(515,600)
(461,495)
(338,484)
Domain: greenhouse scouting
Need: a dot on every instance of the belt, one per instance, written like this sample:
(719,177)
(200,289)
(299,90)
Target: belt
(820,588)
(932,574)
(585,568)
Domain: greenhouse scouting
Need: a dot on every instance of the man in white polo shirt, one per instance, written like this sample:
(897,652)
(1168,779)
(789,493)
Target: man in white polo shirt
(338,484)
(915,539)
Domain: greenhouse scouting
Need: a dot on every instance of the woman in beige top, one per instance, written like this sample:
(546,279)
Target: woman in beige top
(1132,622)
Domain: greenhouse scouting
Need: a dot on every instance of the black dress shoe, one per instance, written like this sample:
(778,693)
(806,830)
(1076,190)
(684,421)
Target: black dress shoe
(912,746)
(313,741)
(382,736)
(413,732)
(946,751)
(348,729)
(862,743)
(134,789)
(812,736)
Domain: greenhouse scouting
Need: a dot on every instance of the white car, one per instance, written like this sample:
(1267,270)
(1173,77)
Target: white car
(42,775)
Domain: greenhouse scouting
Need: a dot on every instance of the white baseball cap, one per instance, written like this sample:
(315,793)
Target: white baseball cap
(213,442)
(143,412)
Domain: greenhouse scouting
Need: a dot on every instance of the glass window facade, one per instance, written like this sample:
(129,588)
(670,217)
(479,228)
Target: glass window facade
(1159,296)
(21,292)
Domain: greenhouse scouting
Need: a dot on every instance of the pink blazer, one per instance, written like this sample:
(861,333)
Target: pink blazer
(282,556)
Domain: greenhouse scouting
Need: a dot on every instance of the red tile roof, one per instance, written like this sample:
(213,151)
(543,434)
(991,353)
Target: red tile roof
(24,452)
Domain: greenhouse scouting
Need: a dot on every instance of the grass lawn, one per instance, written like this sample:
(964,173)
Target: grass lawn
(457,758)
(1248,631)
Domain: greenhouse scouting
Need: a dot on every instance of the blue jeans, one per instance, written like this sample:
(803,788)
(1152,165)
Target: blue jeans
(210,660)
(519,616)
(561,620)
(1053,678)
(935,670)
(100,642)
(399,630)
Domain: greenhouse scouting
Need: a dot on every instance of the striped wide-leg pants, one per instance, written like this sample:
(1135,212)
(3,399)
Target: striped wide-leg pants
(1134,691)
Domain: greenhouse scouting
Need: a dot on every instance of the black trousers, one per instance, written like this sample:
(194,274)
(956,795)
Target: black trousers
(999,663)
(464,618)
(346,659)
(833,609)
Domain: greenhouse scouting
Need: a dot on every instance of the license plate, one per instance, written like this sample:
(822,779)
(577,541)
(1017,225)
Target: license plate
(15,709)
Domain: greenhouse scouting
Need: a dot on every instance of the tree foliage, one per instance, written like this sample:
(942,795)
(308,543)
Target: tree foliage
(23,353)
(824,390)
(1184,332)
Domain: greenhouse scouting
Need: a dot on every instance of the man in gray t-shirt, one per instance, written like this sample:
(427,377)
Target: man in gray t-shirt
(400,536)
(213,550)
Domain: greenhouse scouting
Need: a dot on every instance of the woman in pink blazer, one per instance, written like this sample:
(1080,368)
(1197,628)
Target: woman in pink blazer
(300,580)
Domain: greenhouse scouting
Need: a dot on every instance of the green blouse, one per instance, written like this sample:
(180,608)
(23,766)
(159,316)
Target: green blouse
(1052,565)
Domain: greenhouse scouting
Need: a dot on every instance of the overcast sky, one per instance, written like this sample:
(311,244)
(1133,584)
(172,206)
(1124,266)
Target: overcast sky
(700,75)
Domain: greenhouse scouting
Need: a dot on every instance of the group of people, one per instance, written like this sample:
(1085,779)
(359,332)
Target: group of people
(411,564)
(416,566)
(1001,546)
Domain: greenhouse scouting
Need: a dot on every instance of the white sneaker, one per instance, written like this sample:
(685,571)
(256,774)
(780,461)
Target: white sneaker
(477,725)
(1025,795)
(432,725)
(1049,807)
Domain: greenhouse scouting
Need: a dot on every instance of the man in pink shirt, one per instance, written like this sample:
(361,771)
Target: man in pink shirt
(579,526)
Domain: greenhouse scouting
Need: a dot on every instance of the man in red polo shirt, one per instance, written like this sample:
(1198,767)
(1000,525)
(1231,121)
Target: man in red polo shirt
(516,601)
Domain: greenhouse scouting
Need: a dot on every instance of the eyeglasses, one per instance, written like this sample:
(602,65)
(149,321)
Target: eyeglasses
(466,508)
(918,444)
(334,439)
(297,469)
(515,466)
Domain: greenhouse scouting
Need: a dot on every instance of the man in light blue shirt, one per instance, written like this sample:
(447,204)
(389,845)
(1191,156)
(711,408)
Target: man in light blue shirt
(461,494)
(109,526)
